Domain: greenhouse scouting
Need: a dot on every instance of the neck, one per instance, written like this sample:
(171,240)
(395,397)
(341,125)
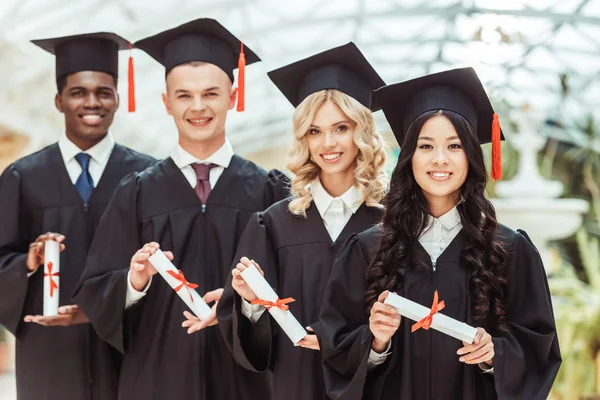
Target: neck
(85,143)
(440,205)
(202,150)
(337,184)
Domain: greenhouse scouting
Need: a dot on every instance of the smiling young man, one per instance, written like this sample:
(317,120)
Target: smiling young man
(60,193)
(194,205)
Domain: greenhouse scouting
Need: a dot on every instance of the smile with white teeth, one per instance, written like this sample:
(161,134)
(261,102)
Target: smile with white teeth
(331,156)
(91,119)
(438,175)
(199,121)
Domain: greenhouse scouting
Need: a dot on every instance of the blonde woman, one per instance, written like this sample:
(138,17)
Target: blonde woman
(337,159)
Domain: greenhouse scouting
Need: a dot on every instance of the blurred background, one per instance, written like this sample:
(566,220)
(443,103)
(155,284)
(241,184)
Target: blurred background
(539,60)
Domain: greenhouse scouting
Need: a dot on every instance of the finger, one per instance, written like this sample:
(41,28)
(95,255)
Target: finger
(197,327)
(383,296)
(72,309)
(62,247)
(141,256)
(257,267)
(245,261)
(60,238)
(384,308)
(485,358)
(139,267)
(477,353)
(240,267)
(213,295)
(169,255)
(29,318)
(308,328)
(479,335)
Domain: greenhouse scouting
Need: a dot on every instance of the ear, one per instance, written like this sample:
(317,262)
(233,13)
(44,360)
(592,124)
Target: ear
(58,102)
(118,101)
(165,99)
(232,98)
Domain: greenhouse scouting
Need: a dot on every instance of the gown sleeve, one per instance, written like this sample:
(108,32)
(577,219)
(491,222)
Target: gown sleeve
(102,287)
(277,187)
(13,251)
(527,357)
(250,343)
(345,335)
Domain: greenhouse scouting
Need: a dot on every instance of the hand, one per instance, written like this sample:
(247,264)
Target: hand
(309,341)
(239,284)
(141,269)
(35,256)
(193,323)
(67,316)
(481,351)
(383,323)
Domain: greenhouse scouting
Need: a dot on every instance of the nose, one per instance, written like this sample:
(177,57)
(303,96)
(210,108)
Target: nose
(440,157)
(198,104)
(92,101)
(330,140)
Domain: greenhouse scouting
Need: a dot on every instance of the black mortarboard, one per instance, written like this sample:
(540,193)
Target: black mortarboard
(89,52)
(457,90)
(204,39)
(86,52)
(343,68)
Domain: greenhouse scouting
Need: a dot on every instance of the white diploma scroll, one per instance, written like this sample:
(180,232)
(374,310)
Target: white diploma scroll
(440,322)
(182,287)
(284,318)
(51,277)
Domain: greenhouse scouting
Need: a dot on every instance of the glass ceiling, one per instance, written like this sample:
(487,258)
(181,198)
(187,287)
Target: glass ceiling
(519,49)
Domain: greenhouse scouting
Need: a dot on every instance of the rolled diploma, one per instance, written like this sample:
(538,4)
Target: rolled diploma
(51,271)
(440,322)
(284,318)
(162,265)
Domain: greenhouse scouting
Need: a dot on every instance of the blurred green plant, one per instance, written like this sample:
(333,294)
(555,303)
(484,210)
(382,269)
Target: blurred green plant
(576,300)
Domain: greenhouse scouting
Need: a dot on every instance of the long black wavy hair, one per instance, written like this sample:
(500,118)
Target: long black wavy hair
(406,217)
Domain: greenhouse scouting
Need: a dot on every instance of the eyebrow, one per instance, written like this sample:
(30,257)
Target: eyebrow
(87,89)
(431,139)
(336,124)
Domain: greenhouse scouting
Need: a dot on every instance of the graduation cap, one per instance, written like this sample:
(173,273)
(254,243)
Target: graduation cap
(457,90)
(343,68)
(203,39)
(89,52)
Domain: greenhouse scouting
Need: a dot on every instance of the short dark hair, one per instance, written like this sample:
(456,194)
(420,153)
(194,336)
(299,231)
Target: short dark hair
(61,82)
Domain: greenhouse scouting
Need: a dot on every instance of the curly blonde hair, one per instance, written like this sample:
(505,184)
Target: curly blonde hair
(370,178)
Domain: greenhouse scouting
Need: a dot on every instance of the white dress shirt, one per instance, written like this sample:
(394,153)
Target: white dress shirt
(184,160)
(438,234)
(99,155)
(335,212)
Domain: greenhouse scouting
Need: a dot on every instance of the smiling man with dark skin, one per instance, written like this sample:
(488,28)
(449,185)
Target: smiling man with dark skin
(60,194)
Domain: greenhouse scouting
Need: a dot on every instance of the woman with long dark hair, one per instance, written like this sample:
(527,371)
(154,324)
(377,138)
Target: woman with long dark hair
(439,233)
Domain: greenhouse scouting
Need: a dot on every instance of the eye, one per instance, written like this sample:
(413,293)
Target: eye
(313,131)
(425,146)
(455,146)
(105,93)
(183,96)
(211,94)
(77,93)
(342,128)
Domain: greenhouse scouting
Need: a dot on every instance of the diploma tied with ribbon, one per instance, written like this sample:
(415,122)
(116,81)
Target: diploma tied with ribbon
(431,317)
(51,278)
(277,307)
(184,289)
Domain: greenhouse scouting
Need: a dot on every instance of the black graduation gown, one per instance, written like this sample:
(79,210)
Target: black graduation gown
(424,364)
(37,196)
(296,255)
(161,360)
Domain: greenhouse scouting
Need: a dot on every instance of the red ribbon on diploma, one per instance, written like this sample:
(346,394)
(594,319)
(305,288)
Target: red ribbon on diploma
(425,323)
(281,304)
(50,274)
(184,283)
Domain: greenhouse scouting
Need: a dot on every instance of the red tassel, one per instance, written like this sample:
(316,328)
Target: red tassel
(496,149)
(131,83)
(241,79)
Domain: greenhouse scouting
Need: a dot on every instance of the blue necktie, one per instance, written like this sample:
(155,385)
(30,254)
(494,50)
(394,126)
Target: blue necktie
(85,183)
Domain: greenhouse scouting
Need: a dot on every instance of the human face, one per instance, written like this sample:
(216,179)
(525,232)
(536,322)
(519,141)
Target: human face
(330,140)
(89,101)
(199,97)
(439,164)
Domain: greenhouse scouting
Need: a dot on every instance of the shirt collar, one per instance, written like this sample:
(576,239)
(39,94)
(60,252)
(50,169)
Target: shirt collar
(221,157)
(449,220)
(352,198)
(100,152)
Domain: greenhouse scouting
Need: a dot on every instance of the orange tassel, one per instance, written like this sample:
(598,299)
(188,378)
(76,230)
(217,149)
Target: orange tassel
(131,83)
(496,149)
(241,79)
